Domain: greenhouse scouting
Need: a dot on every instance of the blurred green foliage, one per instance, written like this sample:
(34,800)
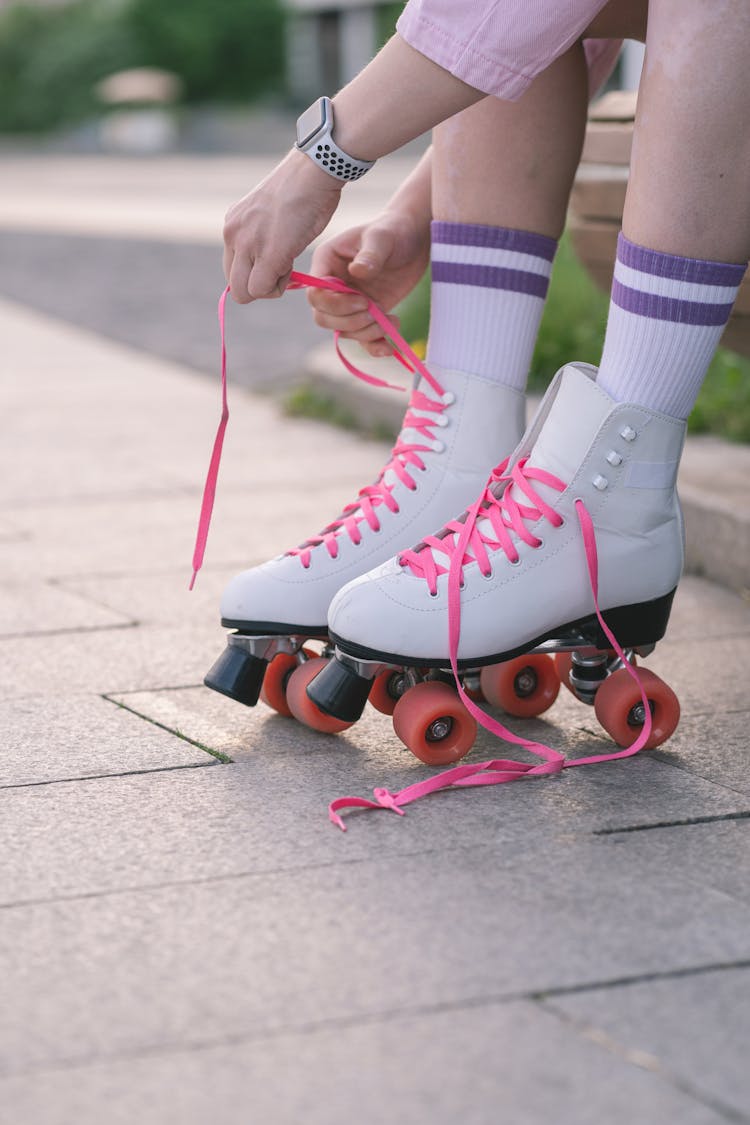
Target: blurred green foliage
(572,327)
(51,57)
(223,50)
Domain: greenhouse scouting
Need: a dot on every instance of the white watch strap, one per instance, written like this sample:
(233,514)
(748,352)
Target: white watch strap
(333,160)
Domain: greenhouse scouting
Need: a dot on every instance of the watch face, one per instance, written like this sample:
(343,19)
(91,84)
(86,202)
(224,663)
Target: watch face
(310,122)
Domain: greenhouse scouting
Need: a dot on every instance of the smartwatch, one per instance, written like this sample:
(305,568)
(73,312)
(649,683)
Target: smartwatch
(314,136)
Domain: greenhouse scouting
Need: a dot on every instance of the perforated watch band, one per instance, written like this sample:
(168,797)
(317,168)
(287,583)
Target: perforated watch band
(327,155)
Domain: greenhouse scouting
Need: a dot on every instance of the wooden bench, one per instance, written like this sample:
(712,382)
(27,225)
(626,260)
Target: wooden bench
(599,196)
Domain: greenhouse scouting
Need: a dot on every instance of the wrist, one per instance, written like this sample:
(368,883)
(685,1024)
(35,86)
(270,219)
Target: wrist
(305,171)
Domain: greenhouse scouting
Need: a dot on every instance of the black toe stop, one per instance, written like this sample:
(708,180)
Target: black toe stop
(237,674)
(339,691)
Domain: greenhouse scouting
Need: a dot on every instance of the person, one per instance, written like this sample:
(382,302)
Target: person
(599,463)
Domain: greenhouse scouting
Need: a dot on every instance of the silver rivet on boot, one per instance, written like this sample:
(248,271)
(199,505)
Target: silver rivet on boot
(628,433)
(600,482)
(614,458)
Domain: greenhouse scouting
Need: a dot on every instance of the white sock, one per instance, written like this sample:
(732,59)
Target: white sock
(488,290)
(666,317)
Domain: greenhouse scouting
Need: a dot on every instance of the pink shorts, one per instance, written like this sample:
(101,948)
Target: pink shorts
(500,46)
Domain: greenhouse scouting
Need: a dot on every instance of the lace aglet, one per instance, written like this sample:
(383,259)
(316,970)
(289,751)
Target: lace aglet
(192,580)
(336,820)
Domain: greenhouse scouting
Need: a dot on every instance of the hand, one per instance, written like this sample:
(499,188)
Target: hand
(385,259)
(266,230)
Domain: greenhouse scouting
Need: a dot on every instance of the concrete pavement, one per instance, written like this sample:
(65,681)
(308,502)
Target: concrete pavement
(184,937)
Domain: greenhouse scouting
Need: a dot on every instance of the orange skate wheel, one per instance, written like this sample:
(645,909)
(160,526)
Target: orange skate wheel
(525,686)
(278,672)
(303,708)
(386,691)
(618,703)
(433,723)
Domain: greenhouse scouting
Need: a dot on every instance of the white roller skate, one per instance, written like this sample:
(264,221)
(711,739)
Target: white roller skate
(592,484)
(454,426)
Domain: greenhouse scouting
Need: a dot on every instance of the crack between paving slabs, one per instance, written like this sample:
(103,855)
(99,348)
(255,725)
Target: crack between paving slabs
(384,1016)
(106,776)
(685,822)
(217,754)
(644,1060)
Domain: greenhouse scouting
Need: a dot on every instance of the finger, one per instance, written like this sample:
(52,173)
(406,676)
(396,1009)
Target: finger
(366,335)
(349,325)
(238,278)
(227,260)
(266,281)
(379,348)
(332,257)
(336,304)
(375,249)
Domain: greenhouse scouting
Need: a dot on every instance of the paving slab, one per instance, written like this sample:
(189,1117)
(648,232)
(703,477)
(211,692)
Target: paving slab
(703,609)
(712,746)
(698,846)
(110,660)
(181,965)
(692,1025)
(376,756)
(693,669)
(511,1062)
(268,813)
(112,391)
(33,608)
(58,739)
(143,534)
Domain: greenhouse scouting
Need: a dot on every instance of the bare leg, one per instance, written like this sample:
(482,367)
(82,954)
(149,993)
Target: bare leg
(690,169)
(511,164)
(686,226)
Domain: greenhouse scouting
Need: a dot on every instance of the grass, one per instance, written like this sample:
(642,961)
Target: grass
(306,401)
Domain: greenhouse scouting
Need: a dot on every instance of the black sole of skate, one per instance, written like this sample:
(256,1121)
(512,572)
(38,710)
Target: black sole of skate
(238,673)
(341,689)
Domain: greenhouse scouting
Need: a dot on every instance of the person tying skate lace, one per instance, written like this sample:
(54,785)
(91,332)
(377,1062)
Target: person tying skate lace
(581,528)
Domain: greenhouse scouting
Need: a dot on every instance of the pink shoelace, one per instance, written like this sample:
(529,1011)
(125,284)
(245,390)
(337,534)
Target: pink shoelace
(403,454)
(364,507)
(462,543)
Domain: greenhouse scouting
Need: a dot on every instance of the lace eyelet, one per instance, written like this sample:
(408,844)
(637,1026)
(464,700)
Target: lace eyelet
(515,562)
(539,545)
(490,574)
(431,595)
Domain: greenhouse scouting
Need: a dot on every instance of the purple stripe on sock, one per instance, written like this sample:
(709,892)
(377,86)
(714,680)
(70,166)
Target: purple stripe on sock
(494,238)
(695,270)
(491,277)
(668,308)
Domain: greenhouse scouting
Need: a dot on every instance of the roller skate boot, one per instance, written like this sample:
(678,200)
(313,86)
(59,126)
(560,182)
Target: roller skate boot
(448,443)
(575,548)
